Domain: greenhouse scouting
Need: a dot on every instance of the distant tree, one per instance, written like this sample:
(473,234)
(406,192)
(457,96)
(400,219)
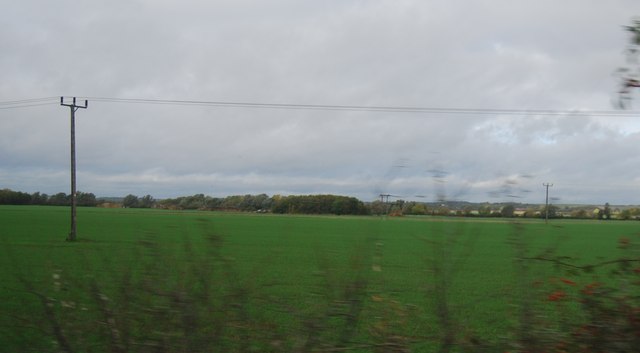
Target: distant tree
(280,204)
(418,209)
(340,206)
(263,202)
(485,211)
(202,202)
(319,204)
(406,207)
(249,203)
(39,199)
(5,196)
(443,210)
(508,211)
(581,213)
(130,201)
(606,213)
(146,201)
(10,197)
(630,213)
(86,199)
(625,214)
(169,204)
(553,212)
(378,207)
(213,203)
(234,202)
(194,202)
(397,207)
(60,199)
(467,211)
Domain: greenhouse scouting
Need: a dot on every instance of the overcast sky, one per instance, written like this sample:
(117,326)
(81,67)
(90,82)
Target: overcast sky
(470,54)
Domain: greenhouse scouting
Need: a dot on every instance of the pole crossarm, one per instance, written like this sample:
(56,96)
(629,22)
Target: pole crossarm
(73,105)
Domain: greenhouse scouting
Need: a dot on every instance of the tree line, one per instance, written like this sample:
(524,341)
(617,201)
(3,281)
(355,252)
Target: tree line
(300,204)
(10,197)
(319,204)
(314,204)
(305,204)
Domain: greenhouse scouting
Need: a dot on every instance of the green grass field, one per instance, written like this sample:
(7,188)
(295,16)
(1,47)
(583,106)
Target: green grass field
(149,280)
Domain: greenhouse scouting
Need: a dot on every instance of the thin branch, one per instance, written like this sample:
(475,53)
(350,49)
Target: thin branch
(584,267)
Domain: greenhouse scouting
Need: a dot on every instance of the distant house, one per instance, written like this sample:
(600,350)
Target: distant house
(519,212)
(616,213)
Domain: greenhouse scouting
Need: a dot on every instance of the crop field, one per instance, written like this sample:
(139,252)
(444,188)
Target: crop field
(162,281)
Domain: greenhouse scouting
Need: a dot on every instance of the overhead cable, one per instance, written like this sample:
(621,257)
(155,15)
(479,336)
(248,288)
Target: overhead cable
(330,107)
(393,109)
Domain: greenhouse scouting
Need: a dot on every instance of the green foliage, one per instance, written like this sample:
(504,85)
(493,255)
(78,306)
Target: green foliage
(507,211)
(195,202)
(629,213)
(39,199)
(606,212)
(146,201)
(485,211)
(378,208)
(443,210)
(415,208)
(86,199)
(319,204)
(130,201)
(551,211)
(10,197)
(593,307)
(580,214)
(60,199)
(245,203)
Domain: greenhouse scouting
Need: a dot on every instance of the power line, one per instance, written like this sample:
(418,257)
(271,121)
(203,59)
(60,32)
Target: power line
(397,109)
(30,100)
(328,107)
(26,103)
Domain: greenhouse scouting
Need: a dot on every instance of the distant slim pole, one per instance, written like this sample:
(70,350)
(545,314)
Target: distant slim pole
(546,207)
(73,107)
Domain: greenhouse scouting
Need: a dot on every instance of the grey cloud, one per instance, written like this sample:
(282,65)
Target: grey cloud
(496,54)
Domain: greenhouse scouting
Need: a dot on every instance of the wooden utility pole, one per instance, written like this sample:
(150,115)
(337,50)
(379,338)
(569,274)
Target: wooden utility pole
(546,207)
(73,107)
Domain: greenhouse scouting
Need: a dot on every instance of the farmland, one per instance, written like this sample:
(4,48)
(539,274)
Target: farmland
(149,280)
